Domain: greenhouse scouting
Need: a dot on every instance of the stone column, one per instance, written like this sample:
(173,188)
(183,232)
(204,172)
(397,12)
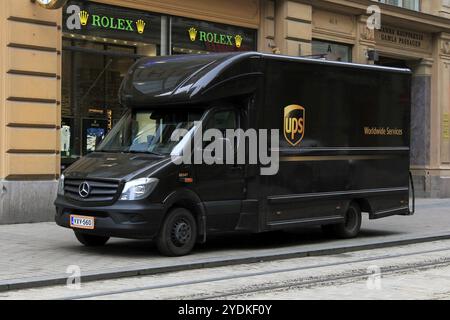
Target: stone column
(267,27)
(365,40)
(293,28)
(431,125)
(30,51)
(443,99)
(2,98)
(421,126)
(420,114)
(441,136)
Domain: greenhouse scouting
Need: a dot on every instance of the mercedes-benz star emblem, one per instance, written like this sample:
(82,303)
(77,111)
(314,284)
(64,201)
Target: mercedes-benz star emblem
(84,190)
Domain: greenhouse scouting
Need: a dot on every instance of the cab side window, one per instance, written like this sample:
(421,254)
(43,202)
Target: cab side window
(223,120)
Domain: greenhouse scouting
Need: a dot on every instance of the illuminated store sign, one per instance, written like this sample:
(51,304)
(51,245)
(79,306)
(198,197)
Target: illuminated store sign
(113,23)
(198,36)
(218,38)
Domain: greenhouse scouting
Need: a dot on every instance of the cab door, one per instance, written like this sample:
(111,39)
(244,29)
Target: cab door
(221,187)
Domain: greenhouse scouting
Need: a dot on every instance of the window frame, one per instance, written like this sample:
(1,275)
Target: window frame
(417,6)
(350,47)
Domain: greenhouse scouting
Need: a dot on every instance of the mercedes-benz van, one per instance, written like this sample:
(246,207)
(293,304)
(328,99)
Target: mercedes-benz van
(343,148)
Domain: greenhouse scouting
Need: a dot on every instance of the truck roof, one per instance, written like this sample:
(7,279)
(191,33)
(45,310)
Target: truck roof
(191,78)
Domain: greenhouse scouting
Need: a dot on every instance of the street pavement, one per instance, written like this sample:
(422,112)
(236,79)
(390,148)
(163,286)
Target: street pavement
(418,271)
(39,254)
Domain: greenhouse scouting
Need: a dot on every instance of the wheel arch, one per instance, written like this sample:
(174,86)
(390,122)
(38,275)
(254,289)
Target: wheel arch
(363,204)
(188,199)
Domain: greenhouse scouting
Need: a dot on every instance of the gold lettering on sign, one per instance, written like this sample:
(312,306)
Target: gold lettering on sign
(382,131)
(403,38)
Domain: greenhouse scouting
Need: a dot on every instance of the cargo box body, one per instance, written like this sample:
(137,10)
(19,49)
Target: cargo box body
(355,145)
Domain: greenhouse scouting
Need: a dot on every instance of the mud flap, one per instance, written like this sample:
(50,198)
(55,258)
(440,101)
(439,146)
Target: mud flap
(412,198)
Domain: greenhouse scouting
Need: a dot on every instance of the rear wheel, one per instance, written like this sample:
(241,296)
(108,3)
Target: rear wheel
(178,233)
(90,240)
(350,227)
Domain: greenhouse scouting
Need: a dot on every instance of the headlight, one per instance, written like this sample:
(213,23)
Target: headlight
(139,189)
(61,185)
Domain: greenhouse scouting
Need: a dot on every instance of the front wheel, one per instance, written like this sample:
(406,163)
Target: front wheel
(350,227)
(90,240)
(178,233)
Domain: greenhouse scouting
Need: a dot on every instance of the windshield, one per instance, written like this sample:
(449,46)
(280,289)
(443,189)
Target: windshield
(149,131)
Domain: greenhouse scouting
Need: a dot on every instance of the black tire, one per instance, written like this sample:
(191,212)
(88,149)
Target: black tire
(90,240)
(178,233)
(350,227)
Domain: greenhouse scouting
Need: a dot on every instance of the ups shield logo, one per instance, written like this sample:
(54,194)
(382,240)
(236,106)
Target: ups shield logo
(294,124)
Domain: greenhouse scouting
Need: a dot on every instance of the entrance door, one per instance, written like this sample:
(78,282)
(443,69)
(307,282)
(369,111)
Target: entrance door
(221,186)
(392,62)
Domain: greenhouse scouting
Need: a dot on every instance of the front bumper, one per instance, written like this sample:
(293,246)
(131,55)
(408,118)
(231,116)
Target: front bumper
(124,219)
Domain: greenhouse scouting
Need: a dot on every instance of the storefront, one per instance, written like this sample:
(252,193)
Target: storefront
(419,46)
(397,46)
(97,54)
(61,68)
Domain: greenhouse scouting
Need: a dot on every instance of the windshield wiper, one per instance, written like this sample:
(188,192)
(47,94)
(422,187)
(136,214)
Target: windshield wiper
(145,152)
(108,151)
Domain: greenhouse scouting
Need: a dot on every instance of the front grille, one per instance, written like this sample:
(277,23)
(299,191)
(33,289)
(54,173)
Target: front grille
(100,190)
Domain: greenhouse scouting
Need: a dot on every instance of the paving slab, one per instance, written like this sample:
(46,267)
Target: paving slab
(33,255)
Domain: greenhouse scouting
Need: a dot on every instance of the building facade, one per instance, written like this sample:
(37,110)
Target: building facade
(60,71)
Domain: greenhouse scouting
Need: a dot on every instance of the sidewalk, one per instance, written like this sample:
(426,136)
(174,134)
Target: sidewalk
(40,253)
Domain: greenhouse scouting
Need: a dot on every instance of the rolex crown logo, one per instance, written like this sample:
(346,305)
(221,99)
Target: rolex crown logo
(140,24)
(193,34)
(238,39)
(84,17)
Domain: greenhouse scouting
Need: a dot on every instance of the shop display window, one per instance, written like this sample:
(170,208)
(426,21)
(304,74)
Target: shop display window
(332,51)
(95,60)
(97,55)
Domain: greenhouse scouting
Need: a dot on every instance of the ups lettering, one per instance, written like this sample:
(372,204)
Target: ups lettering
(294,126)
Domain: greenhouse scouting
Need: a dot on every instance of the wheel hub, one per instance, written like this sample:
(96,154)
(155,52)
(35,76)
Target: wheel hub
(181,233)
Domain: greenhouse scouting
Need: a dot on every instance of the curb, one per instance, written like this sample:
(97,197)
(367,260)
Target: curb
(38,282)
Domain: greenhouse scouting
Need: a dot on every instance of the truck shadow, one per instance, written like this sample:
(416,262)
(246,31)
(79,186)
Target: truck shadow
(232,242)
(281,239)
